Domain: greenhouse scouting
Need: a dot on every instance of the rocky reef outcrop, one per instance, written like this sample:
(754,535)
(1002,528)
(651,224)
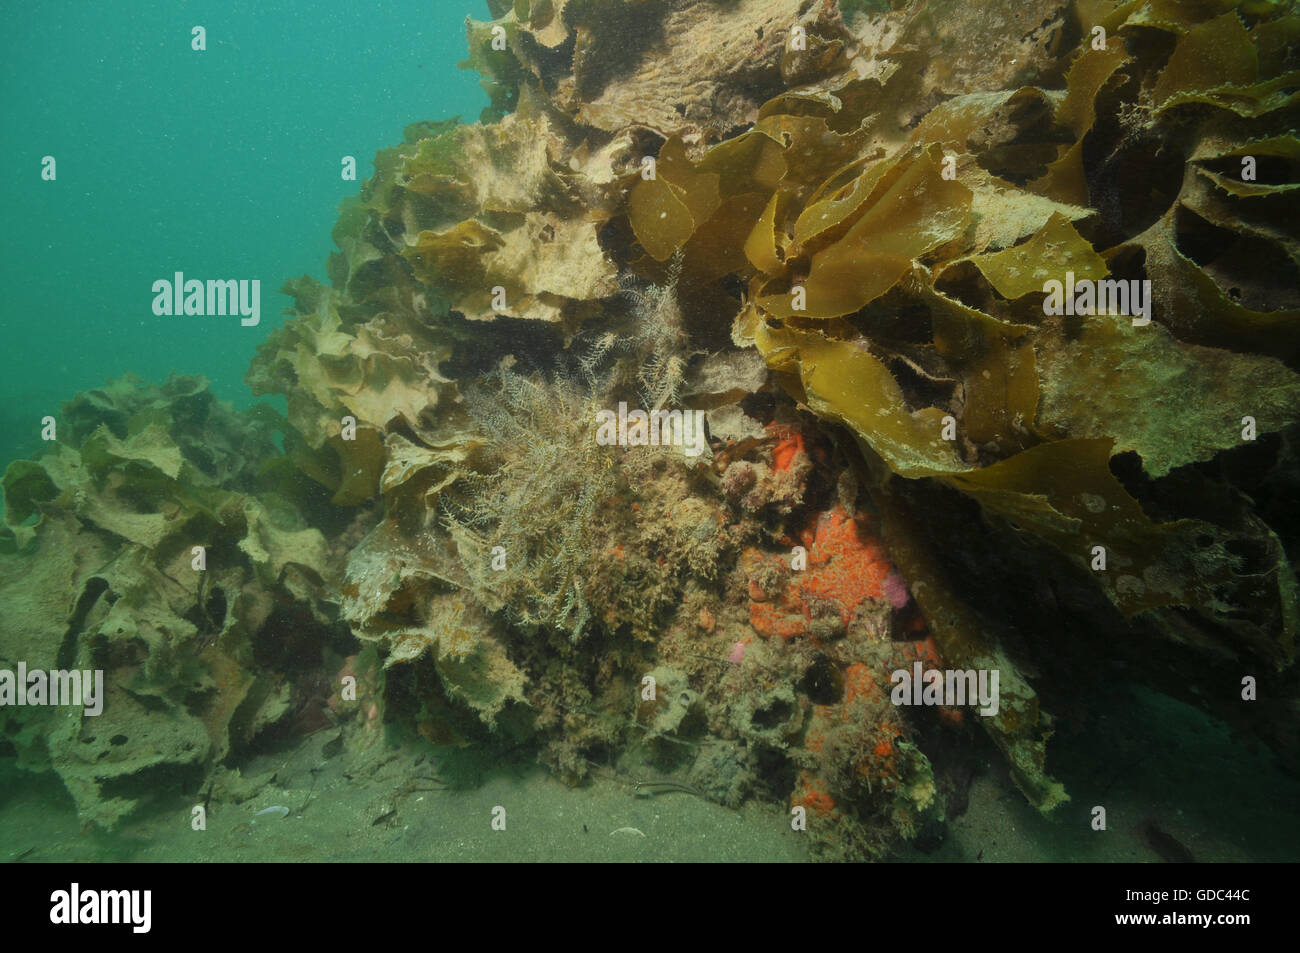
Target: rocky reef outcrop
(833,230)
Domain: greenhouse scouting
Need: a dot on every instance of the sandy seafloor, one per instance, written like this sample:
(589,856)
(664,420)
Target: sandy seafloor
(1221,798)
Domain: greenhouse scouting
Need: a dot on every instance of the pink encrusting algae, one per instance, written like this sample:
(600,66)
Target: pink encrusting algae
(896,591)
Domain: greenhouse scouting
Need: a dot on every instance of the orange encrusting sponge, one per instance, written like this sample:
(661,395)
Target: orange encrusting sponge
(810,793)
(846,567)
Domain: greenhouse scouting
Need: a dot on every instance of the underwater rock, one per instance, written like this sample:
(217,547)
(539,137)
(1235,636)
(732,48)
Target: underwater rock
(689,68)
(895,210)
(157,569)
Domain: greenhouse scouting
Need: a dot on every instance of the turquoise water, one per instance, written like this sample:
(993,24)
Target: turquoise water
(222,164)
